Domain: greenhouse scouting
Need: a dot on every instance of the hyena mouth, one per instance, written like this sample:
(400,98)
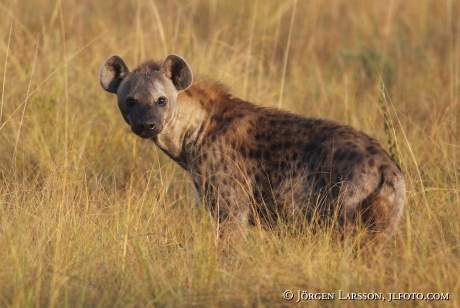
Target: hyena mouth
(147,133)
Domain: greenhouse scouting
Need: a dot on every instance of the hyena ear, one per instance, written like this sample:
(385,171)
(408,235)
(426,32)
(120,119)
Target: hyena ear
(112,73)
(180,73)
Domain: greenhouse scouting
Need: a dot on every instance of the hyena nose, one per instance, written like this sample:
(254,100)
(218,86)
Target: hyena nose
(147,125)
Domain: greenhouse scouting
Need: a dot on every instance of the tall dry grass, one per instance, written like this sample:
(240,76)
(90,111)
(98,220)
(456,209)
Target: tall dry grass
(91,216)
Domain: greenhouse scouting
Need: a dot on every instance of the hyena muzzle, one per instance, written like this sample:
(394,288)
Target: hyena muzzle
(250,163)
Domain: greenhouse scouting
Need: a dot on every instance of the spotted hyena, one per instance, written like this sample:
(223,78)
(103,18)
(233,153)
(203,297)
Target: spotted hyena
(250,163)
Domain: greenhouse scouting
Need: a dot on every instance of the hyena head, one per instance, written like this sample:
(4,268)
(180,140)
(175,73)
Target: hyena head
(146,96)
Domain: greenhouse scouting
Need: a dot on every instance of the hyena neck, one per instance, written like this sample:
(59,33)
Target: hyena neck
(181,132)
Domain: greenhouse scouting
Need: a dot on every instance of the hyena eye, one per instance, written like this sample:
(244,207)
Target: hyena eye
(130,102)
(162,101)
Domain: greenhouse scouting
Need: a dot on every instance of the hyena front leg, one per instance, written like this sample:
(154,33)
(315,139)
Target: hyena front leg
(230,203)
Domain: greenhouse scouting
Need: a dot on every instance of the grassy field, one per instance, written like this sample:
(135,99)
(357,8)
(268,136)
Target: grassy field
(92,216)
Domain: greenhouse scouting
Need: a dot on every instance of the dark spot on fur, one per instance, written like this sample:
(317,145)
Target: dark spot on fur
(287,145)
(201,100)
(295,156)
(371,162)
(221,123)
(372,149)
(243,152)
(351,145)
(215,118)
(272,122)
(273,147)
(340,155)
(357,157)
(283,165)
(223,129)
(258,154)
(390,183)
(267,137)
(311,148)
(267,155)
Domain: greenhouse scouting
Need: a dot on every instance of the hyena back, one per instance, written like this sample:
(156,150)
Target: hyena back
(251,163)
